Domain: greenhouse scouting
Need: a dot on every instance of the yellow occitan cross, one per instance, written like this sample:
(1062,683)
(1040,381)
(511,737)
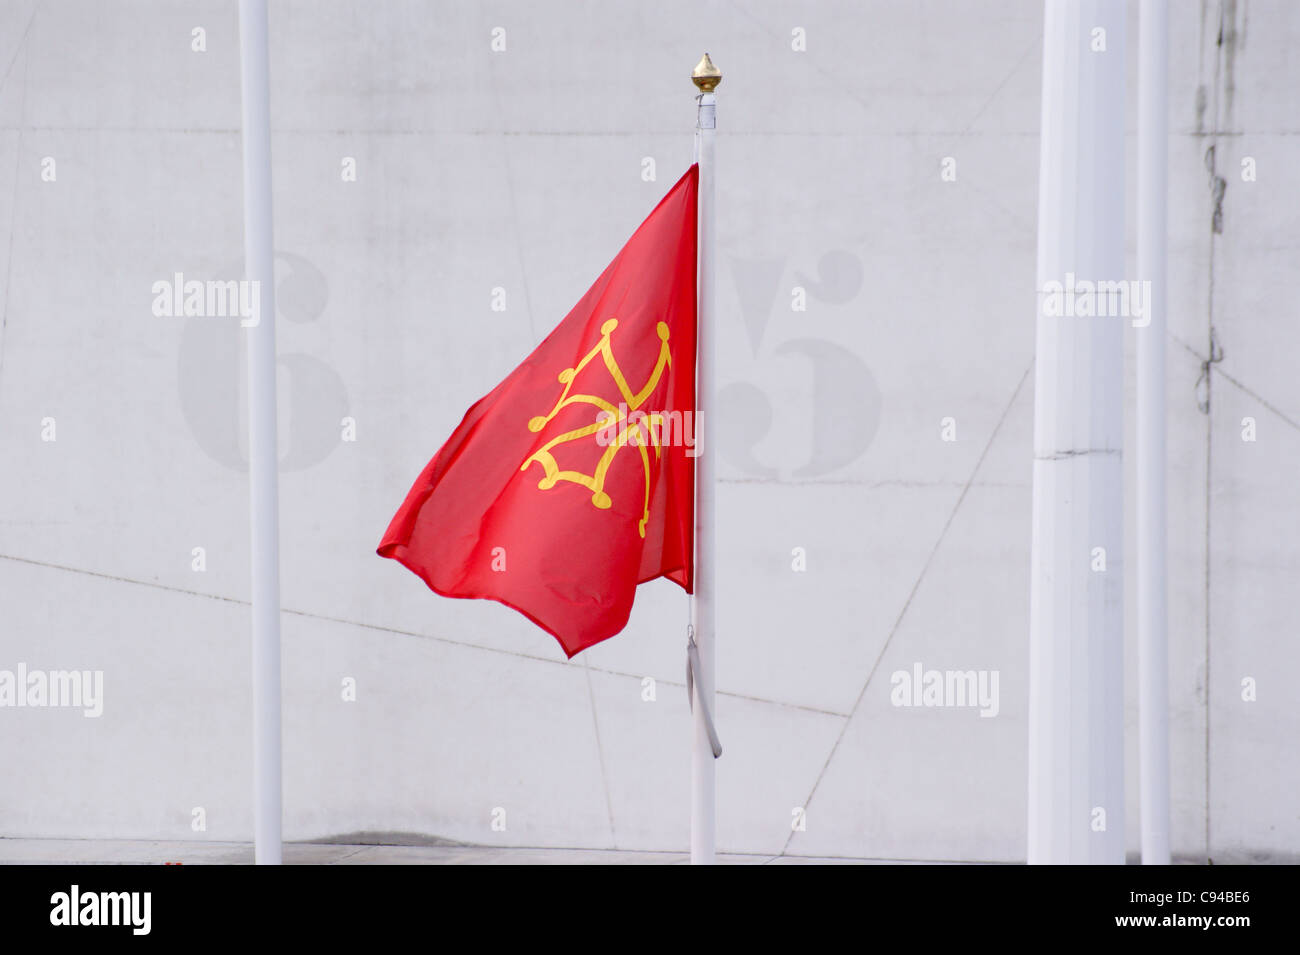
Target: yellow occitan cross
(646,430)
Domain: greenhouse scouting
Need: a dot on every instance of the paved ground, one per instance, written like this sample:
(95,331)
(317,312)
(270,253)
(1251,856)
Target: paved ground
(135,852)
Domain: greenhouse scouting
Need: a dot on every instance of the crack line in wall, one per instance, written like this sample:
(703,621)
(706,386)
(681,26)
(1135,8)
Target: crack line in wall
(929,561)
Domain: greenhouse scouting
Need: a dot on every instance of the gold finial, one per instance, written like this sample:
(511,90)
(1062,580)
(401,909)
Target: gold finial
(705,75)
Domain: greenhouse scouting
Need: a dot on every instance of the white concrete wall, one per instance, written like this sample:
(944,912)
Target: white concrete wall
(522,169)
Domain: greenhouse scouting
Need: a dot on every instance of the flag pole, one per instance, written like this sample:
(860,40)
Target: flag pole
(1153,649)
(1076,620)
(706,78)
(263,454)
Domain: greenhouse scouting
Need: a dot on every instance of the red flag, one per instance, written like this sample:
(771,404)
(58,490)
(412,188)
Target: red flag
(573,481)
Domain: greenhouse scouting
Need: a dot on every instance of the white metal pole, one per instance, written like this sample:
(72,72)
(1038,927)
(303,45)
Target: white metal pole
(1076,703)
(263,455)
(1153,649)
(703,802)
